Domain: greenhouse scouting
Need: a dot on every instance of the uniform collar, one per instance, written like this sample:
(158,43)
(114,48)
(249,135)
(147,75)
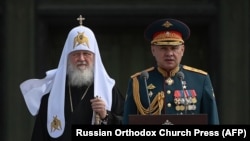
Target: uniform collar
(168,74)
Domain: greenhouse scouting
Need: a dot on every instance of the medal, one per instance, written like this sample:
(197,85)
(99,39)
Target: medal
(177,108)
(194,100)
(190,107)
(194,107)
(182,101)
(189,100)
(177,101)
(182,108)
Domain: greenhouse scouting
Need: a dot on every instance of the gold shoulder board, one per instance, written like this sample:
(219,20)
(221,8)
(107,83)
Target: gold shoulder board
(139,73)
(194,70)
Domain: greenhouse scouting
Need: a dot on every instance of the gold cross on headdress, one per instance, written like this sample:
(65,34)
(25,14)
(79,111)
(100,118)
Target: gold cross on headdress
(80,19)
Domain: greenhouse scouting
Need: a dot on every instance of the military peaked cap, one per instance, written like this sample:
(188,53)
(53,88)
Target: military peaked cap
(167,32)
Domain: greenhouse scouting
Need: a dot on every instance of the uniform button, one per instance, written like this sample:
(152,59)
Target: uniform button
(168,92)
(169,104)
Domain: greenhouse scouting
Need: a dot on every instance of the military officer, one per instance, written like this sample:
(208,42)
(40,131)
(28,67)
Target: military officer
(170,87)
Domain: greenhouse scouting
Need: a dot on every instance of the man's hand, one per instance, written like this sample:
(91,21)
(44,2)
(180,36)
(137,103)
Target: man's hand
(99,106)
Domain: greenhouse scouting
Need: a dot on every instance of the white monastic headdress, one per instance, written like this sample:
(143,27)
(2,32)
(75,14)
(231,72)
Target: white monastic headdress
(79,38)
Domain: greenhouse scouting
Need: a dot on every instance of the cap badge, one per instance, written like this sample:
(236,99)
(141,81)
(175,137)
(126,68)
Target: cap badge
(167,24)
(81,39)
(55,124)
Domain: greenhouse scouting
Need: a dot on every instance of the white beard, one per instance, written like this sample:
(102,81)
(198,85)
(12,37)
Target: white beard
(78,77)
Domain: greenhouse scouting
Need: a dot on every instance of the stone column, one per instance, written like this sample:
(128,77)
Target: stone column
(17,67)
(234,34)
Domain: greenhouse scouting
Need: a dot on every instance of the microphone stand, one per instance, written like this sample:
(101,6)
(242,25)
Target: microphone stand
(185,95)
(149,102)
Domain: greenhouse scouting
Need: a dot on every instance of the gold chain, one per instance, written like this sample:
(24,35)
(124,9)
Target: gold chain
(71,104)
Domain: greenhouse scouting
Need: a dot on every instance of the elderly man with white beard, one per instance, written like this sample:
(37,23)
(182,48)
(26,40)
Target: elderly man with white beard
(78,92)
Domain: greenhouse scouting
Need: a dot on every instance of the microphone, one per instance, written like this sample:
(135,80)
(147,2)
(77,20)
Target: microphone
(144,75)
(180,75)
